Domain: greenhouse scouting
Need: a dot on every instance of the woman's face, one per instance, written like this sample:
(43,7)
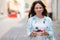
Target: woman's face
(38,8)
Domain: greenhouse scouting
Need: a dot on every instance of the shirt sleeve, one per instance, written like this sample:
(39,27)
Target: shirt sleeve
(49,27)
(29,27)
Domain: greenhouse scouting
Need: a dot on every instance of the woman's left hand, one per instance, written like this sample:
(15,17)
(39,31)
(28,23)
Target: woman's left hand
(44,33)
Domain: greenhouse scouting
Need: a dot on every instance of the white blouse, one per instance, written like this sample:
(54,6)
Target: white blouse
(43,24)
(39,23)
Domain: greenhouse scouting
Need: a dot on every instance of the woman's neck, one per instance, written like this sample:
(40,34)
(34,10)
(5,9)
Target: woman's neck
(40,16)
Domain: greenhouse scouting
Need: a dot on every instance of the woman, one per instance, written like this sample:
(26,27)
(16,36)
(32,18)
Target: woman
(39,25)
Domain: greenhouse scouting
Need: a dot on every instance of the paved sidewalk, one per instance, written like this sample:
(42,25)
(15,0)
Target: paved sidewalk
(17,30)
(56,27)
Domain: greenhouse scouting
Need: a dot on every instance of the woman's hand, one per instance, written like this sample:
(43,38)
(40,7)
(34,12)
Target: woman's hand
(44,33)
(33,34)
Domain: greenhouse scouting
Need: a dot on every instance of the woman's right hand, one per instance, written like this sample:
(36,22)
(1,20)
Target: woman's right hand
(33,34)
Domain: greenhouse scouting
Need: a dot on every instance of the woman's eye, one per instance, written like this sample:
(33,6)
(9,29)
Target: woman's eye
(40,7)
(36,7)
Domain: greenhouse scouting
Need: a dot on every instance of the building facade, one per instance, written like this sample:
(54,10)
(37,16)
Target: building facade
(53,6)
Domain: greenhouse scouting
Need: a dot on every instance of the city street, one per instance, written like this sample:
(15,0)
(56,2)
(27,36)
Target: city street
(15,29)
(13,17)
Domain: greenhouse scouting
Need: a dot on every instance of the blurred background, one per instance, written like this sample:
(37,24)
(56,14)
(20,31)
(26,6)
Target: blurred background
(14,16)
(21,7)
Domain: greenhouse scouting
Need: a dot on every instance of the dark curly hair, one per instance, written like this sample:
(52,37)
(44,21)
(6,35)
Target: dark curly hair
(32,12)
